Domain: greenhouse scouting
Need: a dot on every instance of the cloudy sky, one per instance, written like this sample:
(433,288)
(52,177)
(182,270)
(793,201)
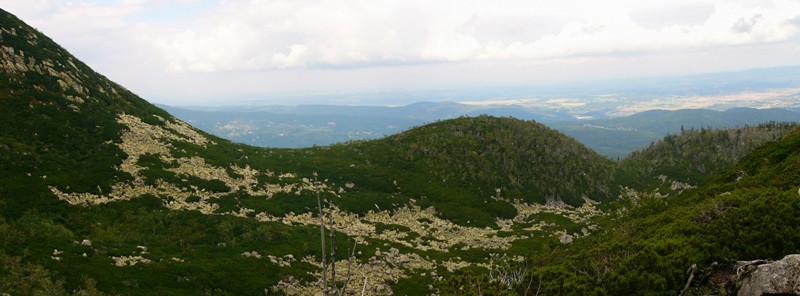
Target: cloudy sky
(191,52)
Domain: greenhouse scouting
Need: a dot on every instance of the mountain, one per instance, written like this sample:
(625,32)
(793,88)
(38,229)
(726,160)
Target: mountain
(687,243)
(102,192)
(686,159)
(59,118)
(287,130)
(309,125)
(480,160)
(423,111)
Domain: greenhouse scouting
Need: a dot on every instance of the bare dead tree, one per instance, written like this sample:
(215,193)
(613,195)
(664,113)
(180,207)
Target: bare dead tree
(322,239)
(330,261)
(332,232)
(507,275)
(364,287)
(349,267)
(538,288)
(741,266)
(691,272)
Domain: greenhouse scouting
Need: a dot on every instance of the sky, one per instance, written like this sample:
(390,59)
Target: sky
(205,52)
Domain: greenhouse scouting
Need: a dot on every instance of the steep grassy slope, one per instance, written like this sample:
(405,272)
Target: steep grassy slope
(57,113)
(100,190)
(63,129)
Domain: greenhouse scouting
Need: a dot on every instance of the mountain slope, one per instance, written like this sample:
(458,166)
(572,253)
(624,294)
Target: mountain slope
(101,191)
(58,116)
(473,170)
(748,212)
(525,160)
(70,131)
(688,159)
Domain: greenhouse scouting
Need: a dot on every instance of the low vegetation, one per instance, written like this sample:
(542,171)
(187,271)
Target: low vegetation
(103,193)
(748,212)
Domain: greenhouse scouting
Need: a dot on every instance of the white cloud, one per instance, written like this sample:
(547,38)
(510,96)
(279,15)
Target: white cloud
(296,58)
(279,34)
(320,33)
(167,41)
(81,22)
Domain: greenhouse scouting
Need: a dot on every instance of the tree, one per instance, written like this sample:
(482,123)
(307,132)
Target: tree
(326,289)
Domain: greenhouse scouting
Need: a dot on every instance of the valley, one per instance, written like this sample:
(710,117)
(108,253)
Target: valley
(103,193)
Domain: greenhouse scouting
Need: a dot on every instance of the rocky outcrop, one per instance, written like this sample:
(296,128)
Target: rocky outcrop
(746,278)
(781,277)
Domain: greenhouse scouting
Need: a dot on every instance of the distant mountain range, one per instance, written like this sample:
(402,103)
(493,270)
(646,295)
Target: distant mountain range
(613,117)
(310,125)
(617,137)
(596,93)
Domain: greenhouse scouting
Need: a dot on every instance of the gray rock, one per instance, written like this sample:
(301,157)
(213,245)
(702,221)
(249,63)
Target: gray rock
(403,259)
(780,277)
(565,239)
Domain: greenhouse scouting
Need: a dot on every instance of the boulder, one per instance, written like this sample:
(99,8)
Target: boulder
(565,239)
(781,277)
(403,259)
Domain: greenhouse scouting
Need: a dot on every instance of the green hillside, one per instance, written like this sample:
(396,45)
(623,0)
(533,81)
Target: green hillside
(527,161)
(104,193)
(101,191)
(750,211)
(689,158)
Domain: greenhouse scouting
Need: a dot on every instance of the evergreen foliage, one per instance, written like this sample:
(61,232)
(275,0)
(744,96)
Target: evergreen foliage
(525,160)
(59,129)
(694,155)
(748,212)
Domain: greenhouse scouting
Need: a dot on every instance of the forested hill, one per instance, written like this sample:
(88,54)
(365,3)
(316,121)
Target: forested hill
(749,211)
(692,156)
(472,169)
(522,159)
